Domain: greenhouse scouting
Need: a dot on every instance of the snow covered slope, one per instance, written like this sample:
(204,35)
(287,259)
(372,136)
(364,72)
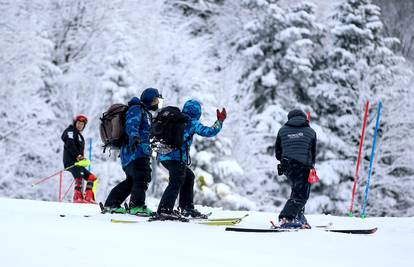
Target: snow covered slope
(33,234)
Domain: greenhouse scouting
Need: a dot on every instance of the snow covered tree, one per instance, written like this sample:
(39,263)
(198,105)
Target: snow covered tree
(359,65)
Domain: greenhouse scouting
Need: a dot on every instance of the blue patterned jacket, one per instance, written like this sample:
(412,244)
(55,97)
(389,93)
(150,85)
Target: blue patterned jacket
(193,110)
(136,125)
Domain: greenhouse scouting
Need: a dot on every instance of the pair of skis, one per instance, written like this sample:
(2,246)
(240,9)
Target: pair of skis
(326,228)
(209,221)
(282,230)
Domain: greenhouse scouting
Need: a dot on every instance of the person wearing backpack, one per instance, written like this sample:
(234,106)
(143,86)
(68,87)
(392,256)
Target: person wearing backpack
(74,145)
(296,150)
(181,181)
(135,156)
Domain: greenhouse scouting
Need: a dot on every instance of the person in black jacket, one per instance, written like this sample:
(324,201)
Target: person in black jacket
(74,145)
(296,151)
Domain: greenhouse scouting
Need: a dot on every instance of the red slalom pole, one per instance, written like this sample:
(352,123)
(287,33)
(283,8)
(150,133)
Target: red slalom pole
(359,158)
(70,186)
(308,116)
(60,187)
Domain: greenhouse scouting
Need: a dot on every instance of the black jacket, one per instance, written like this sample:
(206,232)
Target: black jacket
(296,140)
(74,145)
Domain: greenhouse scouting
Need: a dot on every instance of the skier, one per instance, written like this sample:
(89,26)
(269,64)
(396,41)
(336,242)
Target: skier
(181,179)
(296,150)
(74,145)
(135,156)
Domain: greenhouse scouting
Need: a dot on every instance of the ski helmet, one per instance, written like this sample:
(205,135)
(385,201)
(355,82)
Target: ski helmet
(81,118)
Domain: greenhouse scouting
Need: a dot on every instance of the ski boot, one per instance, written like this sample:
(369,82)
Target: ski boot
(77,194)
(140,211)
(286,223)
(193,213)
(78,197)
(89,197)
(167,215)
(118,210)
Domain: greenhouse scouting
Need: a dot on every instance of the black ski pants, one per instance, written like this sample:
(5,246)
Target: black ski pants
(181,182)
(297,173)
(79,172)
(138,176)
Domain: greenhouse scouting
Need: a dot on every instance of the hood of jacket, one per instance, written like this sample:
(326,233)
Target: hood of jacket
(134,101)
(192,108)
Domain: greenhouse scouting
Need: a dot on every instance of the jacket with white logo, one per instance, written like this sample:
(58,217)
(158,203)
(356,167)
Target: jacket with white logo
(74,145)
(296,140)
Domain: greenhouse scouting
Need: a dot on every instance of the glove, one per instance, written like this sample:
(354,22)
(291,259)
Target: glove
(313,177)
(135,142)
(83,163)
(221,116)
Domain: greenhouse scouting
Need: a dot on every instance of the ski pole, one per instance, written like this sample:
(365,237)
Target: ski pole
(48,177)
(82,163)
(372,159)
(361,141)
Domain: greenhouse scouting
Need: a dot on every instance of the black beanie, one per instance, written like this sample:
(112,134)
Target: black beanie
(295,113)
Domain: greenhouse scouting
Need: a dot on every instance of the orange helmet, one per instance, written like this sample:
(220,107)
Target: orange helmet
(80,117)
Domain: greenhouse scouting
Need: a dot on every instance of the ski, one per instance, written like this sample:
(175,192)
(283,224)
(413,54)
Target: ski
(287,230)
(353,231)
(211,223)
(219,223)
(199,218)
(322,226)
(167,217)
(124,221)
(206,222)
(227,219)
(85,216)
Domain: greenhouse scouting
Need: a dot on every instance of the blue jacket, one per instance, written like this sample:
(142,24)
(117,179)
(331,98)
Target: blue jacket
(193,110)
(136,125)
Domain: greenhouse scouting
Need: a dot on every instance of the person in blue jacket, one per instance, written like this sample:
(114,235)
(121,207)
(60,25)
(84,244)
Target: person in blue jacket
(135,156)
(181,176)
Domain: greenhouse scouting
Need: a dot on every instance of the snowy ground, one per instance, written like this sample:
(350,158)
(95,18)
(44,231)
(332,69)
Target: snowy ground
(33,234)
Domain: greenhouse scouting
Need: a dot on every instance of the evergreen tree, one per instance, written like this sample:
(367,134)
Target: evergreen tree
(359,66)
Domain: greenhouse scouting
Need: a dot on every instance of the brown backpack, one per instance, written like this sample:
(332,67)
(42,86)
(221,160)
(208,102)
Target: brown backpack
(112,126)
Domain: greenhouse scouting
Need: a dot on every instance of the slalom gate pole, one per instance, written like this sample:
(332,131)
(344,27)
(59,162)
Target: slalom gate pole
(361,141)
(90,153)
(308,116)
(60,186)
(374,140)
(70,186)
(48,177)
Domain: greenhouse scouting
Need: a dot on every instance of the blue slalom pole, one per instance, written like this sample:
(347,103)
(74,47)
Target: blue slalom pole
(90,153)
(374,140)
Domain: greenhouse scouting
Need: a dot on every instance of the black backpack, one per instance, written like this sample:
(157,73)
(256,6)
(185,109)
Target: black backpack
(167,130)
(112,127)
